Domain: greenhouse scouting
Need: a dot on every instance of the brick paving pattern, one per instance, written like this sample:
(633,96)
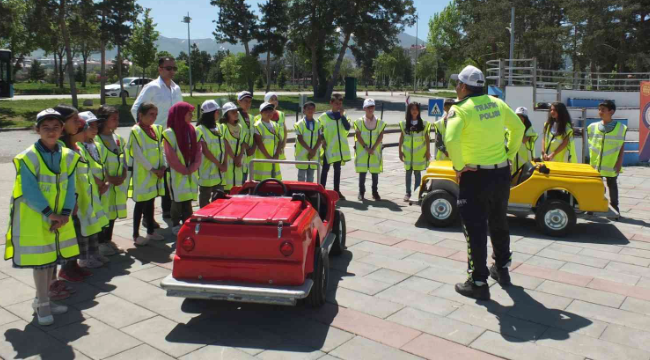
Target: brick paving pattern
(391,296)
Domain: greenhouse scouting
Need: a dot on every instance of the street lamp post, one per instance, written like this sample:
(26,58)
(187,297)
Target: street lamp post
(187,19)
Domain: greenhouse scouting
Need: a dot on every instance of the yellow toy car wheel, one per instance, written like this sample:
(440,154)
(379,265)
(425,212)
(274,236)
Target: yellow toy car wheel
(555,217)
(439,208)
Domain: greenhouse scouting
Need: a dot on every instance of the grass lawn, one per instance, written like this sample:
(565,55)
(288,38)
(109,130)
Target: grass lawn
(22,113)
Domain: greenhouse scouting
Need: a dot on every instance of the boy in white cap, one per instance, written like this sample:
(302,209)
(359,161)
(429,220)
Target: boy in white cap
(368,136)
(213,169)
(309,137)
(268,141)
(278,117)
(245,100)
(336,150)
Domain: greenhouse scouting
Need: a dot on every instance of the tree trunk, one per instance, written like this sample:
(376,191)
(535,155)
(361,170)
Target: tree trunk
(314,68)
(268,71)
(56,70)
(61,68)
(102,68)
(68,53)
(83,84)
(119,74)
(337,67)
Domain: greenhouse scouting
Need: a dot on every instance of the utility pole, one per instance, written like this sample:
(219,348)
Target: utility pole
(415,68)
(187,19)
(512,44)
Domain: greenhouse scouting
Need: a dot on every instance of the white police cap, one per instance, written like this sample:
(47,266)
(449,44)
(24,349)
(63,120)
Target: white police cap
(209,106)
(470,76)
(48,114)
(88,116)
(228,107)
(368,103)
(266,105)
(521,111)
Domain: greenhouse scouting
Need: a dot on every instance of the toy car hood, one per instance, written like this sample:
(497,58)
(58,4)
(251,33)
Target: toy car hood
(571,169)
(251,210)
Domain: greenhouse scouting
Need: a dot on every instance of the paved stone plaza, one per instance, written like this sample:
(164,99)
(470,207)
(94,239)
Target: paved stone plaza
(586,296)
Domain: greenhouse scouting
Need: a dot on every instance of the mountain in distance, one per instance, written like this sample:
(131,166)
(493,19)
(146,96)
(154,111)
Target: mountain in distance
(174,46)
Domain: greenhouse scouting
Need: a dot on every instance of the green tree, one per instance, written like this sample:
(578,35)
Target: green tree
(37,72)
(79,74)
(201,62)
(375,25)
(231,70)
(259,83)
(282,79)
(84,28)
(314,37)
(235,23)
(141,47)
(385,68)
(120,17)
(250,68)
(272,34)
(19,28)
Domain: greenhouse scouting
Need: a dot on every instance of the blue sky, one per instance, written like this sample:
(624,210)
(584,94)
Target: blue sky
(168,15)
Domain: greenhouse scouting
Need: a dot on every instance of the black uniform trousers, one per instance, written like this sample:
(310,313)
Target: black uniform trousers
(482,203)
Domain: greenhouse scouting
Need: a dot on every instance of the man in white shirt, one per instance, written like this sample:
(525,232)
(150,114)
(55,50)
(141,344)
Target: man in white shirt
(163,92)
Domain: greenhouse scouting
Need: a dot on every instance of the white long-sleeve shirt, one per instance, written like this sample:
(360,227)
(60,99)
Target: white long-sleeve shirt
(161,95)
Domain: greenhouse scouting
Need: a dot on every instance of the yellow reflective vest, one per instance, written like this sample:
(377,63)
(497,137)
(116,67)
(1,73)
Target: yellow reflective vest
(182,187)
(553,142)
(310,137)
(209,174)
(29,241)
(526,151)
(272,141)
(336,140)
(249,129)
(114,199)
(144,184)
(414,147)
(363,160)
(235,174)
(90,210)
(441,128)
(604,148)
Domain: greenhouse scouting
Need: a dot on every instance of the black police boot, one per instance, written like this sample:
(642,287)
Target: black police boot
(502,276)
(470,289)
(375,196)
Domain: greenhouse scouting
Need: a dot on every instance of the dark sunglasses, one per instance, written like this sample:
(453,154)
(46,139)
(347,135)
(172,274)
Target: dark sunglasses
(169,68)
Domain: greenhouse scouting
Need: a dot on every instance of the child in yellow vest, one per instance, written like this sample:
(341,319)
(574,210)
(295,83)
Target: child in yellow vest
(368,135)
(111,150)
(213,167)
(40,233)
(309,137)
(148,170)
(414,150)
(268,141)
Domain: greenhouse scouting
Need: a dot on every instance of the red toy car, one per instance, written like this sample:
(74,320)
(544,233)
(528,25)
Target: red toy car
(266,242)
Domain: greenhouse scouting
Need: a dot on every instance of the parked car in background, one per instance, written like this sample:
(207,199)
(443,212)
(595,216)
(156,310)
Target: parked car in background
(132,87)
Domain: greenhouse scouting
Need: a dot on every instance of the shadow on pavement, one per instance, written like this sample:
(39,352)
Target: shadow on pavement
(368,204)
(32,342)
(527,308)
(257,327)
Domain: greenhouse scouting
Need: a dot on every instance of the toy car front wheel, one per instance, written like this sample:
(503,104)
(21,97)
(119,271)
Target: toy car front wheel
(439,208)
(340,231)
(320,276)
(555,218)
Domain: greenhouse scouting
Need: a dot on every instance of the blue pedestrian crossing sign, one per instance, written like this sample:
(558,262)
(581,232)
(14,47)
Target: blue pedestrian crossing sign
(436,107)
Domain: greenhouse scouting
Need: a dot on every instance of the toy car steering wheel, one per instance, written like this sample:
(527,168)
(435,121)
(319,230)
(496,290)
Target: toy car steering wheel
(259,186)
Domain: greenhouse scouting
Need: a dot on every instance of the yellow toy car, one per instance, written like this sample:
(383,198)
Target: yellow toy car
(555,192)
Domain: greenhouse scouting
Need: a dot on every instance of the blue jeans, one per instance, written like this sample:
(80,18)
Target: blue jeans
(418,178)
(306,175)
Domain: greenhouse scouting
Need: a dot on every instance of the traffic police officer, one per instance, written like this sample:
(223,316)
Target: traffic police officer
(474,139)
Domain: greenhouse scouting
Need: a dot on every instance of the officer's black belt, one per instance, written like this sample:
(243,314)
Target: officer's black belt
(488,167)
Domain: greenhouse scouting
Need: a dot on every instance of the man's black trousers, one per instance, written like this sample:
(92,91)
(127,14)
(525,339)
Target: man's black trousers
(482,203)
